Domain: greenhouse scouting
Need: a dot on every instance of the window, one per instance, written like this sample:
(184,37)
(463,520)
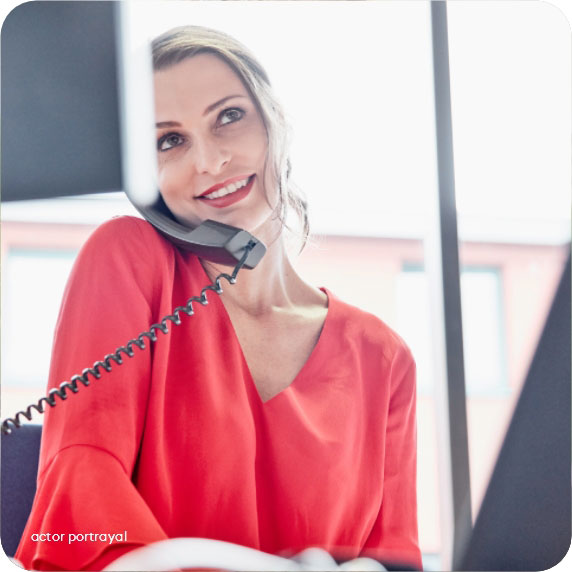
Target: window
(483,330)
(33,284)
(483,326)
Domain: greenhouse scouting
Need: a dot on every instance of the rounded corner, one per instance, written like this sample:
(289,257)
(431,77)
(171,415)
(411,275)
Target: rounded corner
(559,10)
(563,563)
(9,563)
(12,12)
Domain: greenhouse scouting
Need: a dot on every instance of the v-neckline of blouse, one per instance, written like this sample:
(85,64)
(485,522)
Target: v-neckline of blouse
(306,367)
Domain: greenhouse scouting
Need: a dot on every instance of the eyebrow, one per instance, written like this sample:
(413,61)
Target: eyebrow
(167,124)
(208,110)
(220,102)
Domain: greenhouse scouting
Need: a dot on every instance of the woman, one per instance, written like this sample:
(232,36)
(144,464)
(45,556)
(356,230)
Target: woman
(278,417)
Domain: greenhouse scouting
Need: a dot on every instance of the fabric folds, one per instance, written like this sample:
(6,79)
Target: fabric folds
(176,441)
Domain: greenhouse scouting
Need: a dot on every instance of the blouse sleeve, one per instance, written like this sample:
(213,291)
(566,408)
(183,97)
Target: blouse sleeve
(90,442)
(394,537)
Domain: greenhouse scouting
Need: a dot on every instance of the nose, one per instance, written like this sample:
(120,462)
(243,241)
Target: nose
(210,156)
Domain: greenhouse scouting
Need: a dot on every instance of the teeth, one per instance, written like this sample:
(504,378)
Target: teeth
(231,188)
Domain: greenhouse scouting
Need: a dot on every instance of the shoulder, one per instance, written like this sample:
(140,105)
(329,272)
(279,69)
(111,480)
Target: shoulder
(379,353)
(372,335)
(122,254)
(125,239)
(126,229)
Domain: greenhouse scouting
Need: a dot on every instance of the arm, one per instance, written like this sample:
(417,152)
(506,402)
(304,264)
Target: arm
(90,441)
(86,490)
(394,535)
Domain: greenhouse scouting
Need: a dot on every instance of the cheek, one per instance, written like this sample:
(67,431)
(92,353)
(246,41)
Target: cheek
(252,142)
(262,140)
(170,177)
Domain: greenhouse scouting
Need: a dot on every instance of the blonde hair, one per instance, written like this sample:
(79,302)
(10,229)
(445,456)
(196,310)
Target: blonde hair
(184,42)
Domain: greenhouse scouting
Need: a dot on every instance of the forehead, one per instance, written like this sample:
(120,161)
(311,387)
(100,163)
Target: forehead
(195,82)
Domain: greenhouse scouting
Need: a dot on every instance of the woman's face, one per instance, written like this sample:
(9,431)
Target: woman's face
(211,145)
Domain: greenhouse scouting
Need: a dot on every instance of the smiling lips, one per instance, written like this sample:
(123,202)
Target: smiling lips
(229,192)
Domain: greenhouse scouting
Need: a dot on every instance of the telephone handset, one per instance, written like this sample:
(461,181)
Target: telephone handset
(211,240)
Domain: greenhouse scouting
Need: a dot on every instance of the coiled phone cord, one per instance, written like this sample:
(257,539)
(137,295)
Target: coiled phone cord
(127,349)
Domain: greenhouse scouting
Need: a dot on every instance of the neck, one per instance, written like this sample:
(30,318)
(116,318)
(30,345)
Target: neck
(273,283)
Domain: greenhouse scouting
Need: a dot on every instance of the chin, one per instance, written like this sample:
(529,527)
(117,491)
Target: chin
(249,221)
(258,221)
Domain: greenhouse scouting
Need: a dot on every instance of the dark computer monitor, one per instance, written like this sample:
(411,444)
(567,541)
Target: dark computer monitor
(60,121)
(524,520)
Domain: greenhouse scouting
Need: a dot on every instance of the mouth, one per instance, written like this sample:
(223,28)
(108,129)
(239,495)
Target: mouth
(226,188)
(229,192)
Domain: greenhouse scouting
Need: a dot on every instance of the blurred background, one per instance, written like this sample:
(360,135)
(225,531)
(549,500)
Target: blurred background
(357,82)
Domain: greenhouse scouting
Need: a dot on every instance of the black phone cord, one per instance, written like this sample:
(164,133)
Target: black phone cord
(95,371)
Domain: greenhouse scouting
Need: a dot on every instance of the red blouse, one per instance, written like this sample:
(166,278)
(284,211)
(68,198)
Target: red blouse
(176,442)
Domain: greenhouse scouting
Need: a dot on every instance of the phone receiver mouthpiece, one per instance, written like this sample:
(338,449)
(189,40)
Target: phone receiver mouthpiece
(221,243)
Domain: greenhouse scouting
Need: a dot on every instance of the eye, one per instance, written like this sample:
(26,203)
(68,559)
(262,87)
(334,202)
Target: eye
(168,141)
(230,115)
